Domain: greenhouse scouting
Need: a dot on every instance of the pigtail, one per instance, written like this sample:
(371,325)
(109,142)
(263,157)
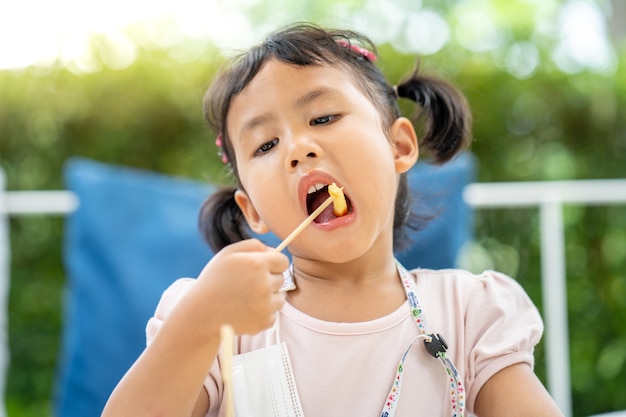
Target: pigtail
(221,221)
(444,114)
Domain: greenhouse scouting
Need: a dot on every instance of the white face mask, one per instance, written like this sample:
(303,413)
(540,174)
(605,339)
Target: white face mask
(263,383)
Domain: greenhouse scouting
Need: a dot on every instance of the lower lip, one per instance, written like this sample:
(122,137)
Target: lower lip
(335,223)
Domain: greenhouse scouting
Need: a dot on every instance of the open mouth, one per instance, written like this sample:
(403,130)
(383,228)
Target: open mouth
(316,195)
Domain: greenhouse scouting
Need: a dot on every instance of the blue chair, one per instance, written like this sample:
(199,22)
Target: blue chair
(135,232)
(437,192)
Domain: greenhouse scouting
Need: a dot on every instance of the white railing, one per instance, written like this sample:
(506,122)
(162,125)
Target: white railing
(548,196)
(19,203)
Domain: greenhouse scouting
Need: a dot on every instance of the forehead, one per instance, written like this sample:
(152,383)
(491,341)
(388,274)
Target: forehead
(282,73)
(283,84)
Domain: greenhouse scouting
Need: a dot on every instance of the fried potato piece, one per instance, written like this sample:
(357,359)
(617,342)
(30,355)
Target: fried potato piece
(340,207)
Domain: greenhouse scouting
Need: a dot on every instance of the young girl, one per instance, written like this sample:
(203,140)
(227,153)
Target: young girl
(306,108)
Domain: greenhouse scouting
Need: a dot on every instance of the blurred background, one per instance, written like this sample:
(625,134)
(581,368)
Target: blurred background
(122,82)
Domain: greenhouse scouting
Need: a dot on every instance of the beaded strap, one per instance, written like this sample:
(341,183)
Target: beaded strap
(457,391)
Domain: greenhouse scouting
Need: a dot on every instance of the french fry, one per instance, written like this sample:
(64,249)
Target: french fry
(340,207)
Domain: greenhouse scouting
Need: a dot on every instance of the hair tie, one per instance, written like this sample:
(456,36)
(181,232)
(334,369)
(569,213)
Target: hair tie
(365,53)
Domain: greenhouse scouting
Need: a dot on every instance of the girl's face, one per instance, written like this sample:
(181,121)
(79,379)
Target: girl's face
(294,129)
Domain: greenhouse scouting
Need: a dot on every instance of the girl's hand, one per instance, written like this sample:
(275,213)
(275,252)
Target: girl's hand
(241,285)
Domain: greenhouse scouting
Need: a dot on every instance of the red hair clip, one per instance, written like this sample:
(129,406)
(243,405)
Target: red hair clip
(365,53)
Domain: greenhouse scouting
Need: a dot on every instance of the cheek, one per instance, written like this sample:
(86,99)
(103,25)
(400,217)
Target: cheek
(265,188)
(375,154)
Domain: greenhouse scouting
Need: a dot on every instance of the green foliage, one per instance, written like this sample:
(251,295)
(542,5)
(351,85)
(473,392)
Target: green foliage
(149,115)
(37,279)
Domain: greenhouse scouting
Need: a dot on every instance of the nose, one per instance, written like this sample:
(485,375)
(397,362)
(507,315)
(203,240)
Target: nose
(302,150)
(294,162)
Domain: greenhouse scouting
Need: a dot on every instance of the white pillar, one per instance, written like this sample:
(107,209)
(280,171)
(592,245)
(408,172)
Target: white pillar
(554,293)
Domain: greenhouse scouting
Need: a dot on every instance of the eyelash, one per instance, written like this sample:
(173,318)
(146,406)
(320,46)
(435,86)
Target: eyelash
(324,120)
(328,119)
(265,148)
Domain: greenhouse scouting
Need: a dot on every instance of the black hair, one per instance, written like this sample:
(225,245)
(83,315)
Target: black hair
(442,111)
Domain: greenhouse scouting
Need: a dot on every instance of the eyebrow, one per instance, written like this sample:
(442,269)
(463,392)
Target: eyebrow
(314,95)
(255,122)
(301,102)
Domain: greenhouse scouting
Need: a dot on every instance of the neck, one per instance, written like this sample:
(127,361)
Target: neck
(355,291)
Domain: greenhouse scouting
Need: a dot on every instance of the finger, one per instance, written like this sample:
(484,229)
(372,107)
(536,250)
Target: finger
(278,262)
(276,282)
(248,245)
(278,300)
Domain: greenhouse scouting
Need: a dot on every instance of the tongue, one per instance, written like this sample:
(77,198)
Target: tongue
(326,215)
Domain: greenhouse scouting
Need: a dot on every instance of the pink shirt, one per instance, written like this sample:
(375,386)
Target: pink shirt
(346,369)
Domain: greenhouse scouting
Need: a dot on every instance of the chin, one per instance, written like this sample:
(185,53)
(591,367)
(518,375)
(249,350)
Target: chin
(339,253)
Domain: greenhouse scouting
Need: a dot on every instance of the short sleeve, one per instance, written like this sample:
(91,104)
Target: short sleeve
(171,296)
(502,328)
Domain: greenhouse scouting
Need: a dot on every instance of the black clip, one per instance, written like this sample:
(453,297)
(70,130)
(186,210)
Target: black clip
(436,345)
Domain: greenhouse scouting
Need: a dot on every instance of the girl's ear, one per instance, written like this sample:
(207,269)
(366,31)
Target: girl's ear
(404,140)
(249,212)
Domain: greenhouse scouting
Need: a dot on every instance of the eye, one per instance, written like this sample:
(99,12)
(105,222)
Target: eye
(266,147)
(323,120)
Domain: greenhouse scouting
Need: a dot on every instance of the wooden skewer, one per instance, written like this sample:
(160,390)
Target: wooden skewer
(304,224)
(226,339)
(227,332)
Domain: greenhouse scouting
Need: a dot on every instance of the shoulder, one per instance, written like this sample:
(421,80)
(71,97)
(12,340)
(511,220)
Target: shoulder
(459,281)
(458,275)
(173,294)
(169,299)
(487,295)
(488,319)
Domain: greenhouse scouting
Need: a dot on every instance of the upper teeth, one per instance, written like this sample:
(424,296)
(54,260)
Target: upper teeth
(316,187)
